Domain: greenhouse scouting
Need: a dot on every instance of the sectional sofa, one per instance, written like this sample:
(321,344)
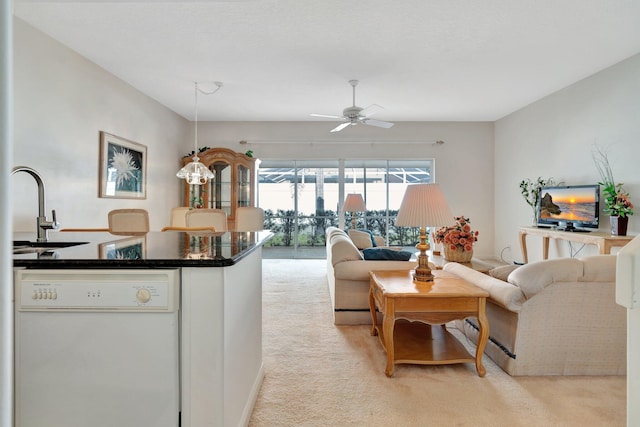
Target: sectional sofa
(552,317)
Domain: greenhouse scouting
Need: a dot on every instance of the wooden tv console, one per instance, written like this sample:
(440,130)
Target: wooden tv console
(604,241)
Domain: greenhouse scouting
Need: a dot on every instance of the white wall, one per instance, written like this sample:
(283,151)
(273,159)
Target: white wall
(463,164)
(554,138)
(62,102)
(6,290)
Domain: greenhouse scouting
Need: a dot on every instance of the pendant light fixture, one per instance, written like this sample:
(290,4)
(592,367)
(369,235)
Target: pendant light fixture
(195,172)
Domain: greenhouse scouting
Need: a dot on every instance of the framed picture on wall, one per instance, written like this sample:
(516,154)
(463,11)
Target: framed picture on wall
(123,168)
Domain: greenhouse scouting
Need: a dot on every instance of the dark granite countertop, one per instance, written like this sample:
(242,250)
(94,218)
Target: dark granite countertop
(153,250)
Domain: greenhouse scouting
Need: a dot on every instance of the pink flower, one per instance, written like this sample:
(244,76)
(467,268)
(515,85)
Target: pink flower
(458,236)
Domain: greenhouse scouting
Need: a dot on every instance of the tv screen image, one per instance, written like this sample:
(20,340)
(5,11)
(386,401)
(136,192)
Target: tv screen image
(569,206)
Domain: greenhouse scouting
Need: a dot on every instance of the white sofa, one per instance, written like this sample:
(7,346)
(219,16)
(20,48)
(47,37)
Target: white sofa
(348,278)
(553,317)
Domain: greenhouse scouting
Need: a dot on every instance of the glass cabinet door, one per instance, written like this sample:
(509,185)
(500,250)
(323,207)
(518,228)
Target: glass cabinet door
(244,186)
(221,187)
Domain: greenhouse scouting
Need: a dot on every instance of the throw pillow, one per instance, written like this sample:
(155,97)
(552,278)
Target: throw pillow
(362,238)
(373,239)
(386,254)
(503,271)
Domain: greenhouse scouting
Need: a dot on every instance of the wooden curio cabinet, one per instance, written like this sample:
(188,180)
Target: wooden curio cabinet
(233,186)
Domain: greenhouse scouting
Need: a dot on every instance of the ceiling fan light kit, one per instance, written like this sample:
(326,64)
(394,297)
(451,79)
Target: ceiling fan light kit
(354,115)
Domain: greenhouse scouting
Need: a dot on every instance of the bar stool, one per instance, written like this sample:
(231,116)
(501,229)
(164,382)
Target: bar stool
(249,218)
(128,222)
(216,218)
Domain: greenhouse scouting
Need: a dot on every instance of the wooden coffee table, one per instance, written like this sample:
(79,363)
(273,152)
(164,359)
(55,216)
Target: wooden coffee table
(414,314)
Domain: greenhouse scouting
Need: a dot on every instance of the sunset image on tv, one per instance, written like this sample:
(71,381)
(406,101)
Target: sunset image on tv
(568,204)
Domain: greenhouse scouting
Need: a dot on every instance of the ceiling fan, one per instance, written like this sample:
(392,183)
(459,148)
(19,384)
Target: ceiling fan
(354,114)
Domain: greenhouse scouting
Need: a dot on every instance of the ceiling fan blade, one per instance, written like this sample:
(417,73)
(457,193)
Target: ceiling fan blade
(378,123)
(340,127)
(324,115)
(371,110)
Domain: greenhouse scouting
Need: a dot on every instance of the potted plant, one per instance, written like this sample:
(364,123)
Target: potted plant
(457,240)
(531,191)
(616,199)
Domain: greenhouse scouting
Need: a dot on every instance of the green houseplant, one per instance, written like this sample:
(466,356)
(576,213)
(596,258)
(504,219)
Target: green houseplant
(617,202)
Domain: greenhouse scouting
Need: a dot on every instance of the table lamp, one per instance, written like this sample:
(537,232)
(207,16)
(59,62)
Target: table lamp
(423,205)
(354,203)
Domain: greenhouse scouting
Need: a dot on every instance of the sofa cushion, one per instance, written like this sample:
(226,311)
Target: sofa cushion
(386,254)
(363,239)
(599,268)
(501,293)
(532,278)
(334,231)
(346,272)
(343,249)
(502,272)
(379,241)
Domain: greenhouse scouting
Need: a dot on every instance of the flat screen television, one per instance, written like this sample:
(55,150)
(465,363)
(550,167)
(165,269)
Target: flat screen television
(570,207)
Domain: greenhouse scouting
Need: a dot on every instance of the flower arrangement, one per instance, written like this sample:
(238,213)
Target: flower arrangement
(458,237)
(616,199)
(531,191)
(619,205)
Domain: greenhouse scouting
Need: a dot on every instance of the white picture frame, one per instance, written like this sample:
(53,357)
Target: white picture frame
(123,168)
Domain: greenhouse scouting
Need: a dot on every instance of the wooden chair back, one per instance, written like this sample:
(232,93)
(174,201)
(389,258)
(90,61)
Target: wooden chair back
(179,216)
(249,218)
(128,222)
(216,218)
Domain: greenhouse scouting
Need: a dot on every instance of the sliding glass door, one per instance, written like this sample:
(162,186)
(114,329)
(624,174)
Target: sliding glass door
(302,198)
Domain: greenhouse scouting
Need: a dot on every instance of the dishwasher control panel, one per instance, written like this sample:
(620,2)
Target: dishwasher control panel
(97,289)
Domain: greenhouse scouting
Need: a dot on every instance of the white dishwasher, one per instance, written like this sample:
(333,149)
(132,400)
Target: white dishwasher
(97,348)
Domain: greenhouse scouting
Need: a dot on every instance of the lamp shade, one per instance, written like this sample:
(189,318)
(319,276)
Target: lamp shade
(424,205)
(195,172)
(354,203)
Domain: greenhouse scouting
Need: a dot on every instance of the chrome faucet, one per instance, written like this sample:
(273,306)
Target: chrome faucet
(43,225)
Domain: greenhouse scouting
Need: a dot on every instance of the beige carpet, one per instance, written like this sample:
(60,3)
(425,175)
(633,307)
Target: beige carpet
(318,374)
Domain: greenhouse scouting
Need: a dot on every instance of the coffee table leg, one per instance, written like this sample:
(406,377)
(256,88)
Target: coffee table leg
(483,326)
(388,323)
(372,309)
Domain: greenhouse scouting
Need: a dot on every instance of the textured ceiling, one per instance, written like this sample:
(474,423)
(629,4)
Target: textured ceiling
(422,60)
